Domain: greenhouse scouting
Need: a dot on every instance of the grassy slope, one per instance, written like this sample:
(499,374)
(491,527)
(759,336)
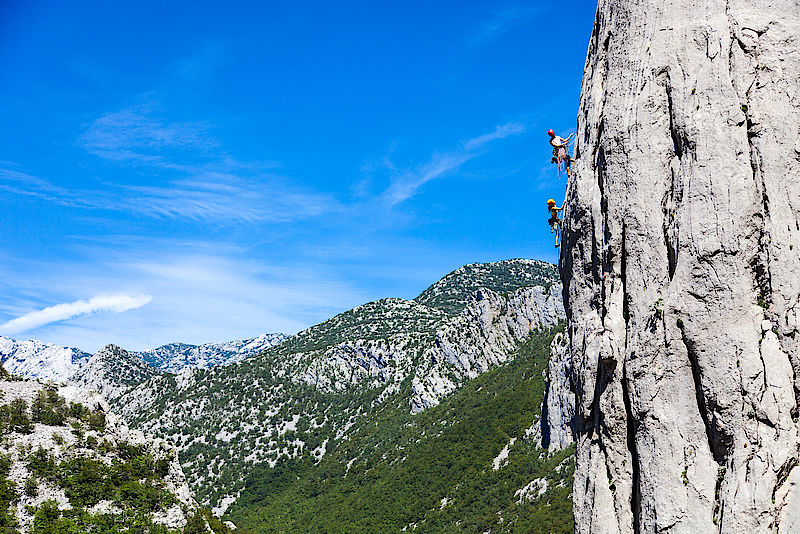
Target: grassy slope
(402,466)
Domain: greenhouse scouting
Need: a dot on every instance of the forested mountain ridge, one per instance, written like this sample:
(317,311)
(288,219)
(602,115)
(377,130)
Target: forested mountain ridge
(111,371)
(452,292)
(474,463)
(298,399)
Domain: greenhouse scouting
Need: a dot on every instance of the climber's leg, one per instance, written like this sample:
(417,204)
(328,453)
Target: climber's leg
(558,233)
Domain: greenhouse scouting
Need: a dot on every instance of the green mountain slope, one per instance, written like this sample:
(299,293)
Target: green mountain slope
(451,293)
(432,472)
(303,397)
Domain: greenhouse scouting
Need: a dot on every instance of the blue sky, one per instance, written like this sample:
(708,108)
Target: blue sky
(184,171)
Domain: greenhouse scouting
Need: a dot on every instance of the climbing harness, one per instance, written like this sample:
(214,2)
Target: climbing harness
(561,153)
(562,157)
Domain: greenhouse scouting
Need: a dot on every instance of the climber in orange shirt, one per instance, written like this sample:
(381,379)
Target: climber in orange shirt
(555,222)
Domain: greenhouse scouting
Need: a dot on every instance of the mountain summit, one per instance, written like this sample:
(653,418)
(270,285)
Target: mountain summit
(34,359)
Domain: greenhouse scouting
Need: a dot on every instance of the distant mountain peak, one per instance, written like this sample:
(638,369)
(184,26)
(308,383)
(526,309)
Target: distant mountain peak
(452,293)
(175,357)
(111,369)
(37,359)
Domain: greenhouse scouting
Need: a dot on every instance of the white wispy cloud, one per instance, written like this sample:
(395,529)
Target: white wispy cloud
(501,22)
(199,294)
(407,184)
(20,183)
(137,134)
(225,197)
(210,196)
(70,310)
(441,164)
(500,132)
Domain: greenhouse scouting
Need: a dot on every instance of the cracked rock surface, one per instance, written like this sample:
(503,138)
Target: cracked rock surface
(681,269)
(558,408)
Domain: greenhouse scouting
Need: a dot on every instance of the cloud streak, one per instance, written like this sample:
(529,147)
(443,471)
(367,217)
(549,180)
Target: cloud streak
(224,197)
(502,22)
(135,134)
(407,184)
(71,310)
(500,132)
(207,196)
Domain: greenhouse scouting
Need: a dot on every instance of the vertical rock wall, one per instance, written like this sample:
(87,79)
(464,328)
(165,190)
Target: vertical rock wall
(558,406)
(681,263)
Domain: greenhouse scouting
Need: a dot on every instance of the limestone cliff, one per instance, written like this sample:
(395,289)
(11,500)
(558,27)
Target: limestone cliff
(558,408)
(680,267)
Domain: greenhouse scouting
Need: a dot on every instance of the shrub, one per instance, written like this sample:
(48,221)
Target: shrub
(41,464)
(78,411)
(18,420)
(195,525)
(31,487)
(96,421)
(84,481)
(8,495)
(49,408)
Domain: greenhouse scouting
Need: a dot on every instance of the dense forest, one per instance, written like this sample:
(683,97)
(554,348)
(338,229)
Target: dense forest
(432,472)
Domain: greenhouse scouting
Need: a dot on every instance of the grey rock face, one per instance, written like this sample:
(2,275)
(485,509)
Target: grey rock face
(558,408)
(482,337)
(680,262)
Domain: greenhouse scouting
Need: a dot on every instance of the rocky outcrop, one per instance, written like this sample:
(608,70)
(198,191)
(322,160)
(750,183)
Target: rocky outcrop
(453,292)
(558,407)
(482,337)
(71,439)
(176,357)
(111,371)
(680,263)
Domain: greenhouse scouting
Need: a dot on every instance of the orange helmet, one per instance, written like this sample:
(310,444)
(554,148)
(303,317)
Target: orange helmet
(551,133)
(551,202)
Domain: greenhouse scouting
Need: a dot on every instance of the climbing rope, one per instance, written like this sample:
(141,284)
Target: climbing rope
(564,158)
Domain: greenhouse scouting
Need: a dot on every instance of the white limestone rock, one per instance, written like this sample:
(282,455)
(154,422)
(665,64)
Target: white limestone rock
(680,264)
(35,359)
(558,407)
(531,491)
(482,337)
(111,371)
(177,357)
